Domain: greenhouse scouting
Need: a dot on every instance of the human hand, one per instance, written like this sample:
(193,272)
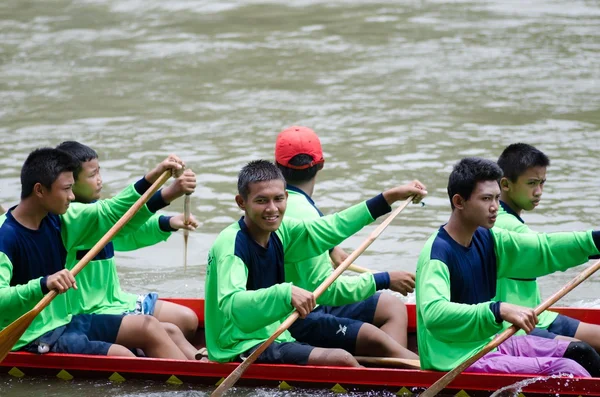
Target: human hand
(184,184)
(172,162)
(178,222)
(402,282)
(61,281)
(303,301)
(522,317)
(402,192)
(337,256)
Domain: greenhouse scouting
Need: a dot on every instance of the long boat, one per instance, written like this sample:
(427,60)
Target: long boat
(285,377)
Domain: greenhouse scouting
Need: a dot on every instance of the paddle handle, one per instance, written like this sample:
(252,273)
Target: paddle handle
(108,236)
(449,377)
(186,218)
(237,373)
(360,269)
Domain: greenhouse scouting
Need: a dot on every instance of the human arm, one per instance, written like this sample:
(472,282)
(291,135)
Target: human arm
(184,184)
(84,224)
(449,321)
(536,254)
(337,256)
(248,310)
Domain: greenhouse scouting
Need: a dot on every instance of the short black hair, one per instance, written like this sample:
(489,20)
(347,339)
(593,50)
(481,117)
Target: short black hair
(44,166)
(295,176)
(518,158)
(80,152)
(257,171)
(467,172)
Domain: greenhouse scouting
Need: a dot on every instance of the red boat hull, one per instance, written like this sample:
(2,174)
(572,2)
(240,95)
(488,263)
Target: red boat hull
(174,371)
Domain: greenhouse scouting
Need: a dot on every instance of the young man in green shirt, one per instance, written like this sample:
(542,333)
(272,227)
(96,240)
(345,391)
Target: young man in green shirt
(457,273)
(371,323)
(100,290)
(247,296)
(35,237)
(524,169)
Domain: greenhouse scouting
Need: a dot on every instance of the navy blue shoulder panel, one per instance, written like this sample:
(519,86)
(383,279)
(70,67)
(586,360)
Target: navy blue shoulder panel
(33,253)
(473,269)
(265,265)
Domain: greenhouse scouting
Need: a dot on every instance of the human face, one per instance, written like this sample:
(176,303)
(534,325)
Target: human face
(264,207)
(482,207)
(88,185)
(56,200)
(526,192)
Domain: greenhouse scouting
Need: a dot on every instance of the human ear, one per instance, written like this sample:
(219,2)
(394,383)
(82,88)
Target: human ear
(458,201)
(505,184)
(239,200)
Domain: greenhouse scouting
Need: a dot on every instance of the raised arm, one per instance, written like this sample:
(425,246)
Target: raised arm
(537,254)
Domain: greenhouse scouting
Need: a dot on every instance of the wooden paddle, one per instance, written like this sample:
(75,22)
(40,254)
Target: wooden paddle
(359,269)
(11,334)
(389,362)
(186,218)
(237,373)
(449,377)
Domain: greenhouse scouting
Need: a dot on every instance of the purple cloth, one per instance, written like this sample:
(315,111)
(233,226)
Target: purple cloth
(529,354)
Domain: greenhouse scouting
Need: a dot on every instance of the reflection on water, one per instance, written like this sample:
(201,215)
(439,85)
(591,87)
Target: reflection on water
(397,90)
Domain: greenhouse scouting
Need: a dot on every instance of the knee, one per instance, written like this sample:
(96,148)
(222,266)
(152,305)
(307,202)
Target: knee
(171,329)
(392,308)
(189,320)
(343,359)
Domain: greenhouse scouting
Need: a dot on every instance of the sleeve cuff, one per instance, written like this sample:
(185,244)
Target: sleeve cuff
(495,308)
(164,223)
(156,202)
(382,280)
(596,237)
(142,185)
(43,285)
(378,206)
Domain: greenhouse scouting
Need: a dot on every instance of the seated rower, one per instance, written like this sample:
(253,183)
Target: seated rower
(247,297)
(100,291)
(457,273)
(373,323)
(524,169)
(35,237)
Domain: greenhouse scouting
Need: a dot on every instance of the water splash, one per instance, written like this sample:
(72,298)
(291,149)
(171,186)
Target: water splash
(516,388)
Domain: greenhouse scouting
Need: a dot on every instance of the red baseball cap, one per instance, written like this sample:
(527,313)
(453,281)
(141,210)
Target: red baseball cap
(297,140)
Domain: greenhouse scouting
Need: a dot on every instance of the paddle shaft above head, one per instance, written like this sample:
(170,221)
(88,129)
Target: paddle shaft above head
(186,218)
(237,373)
(11,334)
(445,380)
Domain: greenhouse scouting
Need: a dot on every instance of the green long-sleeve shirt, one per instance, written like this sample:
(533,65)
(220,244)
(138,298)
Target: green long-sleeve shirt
(309,274)
(246,293)
(99,287)
(519,291)
(455,285)
(28,256)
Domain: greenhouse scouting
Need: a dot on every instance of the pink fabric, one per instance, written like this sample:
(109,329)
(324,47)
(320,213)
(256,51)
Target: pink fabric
(529,355)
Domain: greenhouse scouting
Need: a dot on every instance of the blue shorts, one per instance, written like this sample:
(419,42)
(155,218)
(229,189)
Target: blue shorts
(145,304)
(85,334)
(335,326)
(562,325)
(282,353)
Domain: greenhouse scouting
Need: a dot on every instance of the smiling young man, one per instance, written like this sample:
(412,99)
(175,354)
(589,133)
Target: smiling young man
(373,323)
(524,169)
(35,237)
(247,296)
(457,273)
(100,290)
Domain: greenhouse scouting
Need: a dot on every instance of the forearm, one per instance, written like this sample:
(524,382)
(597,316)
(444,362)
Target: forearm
(253,310)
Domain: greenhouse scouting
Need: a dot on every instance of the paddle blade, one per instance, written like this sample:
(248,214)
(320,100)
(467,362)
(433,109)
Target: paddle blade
(10,335)
(185,249)
(389,362)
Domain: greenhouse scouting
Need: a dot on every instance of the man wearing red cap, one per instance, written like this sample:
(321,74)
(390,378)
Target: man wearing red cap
(357,318)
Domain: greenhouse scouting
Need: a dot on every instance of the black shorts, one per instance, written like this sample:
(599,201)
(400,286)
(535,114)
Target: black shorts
(335,326)
(282,353)
(85,334)
(562,325)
